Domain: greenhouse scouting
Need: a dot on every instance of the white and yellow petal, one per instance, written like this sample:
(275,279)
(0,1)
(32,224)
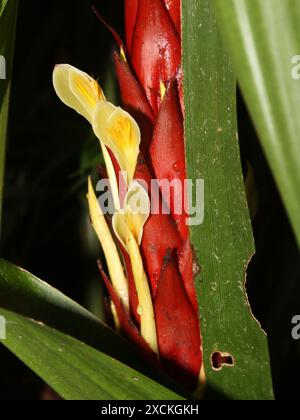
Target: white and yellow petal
(134,215)
(114,264)
(77,90)
(119,132)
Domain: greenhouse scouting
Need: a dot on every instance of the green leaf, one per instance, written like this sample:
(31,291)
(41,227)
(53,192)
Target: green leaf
(263,37)
(25,294)
(223,243)
(74,370)
(8,18)
(2,6)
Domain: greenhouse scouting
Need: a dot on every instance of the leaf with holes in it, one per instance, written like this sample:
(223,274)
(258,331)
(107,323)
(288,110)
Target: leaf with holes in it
(235,350)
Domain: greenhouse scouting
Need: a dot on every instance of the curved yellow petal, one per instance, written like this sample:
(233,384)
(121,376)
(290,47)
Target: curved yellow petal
(145,308)
(63,91)
(114,264)
(134,215)
(77,89)
(86,90)
(115,316)
(120,132)
(123,54)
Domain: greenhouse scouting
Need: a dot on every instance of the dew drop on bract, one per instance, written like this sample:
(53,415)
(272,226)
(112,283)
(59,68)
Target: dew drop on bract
(178,166)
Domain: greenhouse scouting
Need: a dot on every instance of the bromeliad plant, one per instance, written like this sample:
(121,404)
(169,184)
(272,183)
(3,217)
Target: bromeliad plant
(150,266)
(149,257)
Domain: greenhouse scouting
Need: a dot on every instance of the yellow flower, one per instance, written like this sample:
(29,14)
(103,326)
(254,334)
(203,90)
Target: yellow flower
(119,132)
(77,90)
(128,225)
(82,93)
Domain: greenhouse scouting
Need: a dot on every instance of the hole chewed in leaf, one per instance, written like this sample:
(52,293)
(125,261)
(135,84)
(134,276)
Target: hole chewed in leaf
(220,360)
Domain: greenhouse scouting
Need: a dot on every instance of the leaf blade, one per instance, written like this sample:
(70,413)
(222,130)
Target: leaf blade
(224,242)
(2,6)
(263,38)
(26,295)
(74,370)
(8,18)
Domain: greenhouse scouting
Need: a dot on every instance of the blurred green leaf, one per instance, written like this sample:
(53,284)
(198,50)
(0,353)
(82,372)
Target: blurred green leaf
(73,369)
(224,242)
(264,40)
(8,18)
(2,6)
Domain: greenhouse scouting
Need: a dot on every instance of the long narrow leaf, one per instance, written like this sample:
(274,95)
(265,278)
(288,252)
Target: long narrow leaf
(235,349)
(73,369)
(25,294)
(264,39)
(8,17)
(2,6)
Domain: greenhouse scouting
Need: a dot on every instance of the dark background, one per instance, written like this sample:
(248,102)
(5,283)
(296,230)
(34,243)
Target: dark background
(50,153)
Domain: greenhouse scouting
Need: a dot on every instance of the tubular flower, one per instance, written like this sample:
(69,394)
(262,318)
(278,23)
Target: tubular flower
(151,286)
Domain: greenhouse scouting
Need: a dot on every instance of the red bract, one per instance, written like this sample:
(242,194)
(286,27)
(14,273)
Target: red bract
(156,50)
(159,235)
(177,327)
(174,8)
(188,268)
(131,9)
(135,101)
(168,147)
